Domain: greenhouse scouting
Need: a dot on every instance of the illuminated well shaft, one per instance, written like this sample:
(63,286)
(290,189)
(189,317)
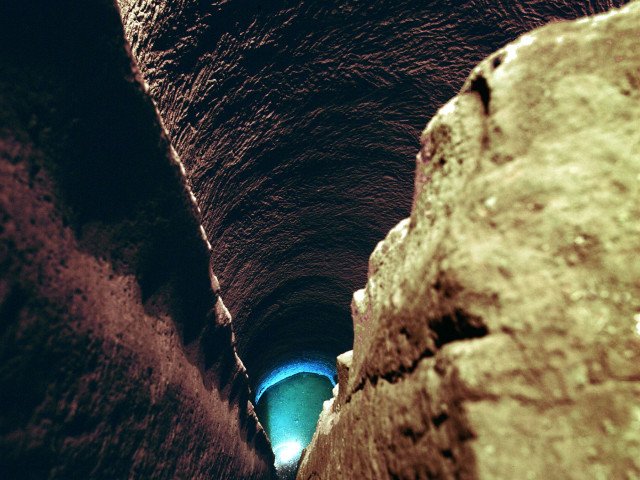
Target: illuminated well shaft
(289,412)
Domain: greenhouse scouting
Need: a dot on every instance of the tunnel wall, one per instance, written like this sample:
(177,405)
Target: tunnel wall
(297,123)
(116,353)
(498,335)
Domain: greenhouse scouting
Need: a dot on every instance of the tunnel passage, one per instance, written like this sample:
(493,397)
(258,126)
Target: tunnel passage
(289,405)
(292,360)
(298,123)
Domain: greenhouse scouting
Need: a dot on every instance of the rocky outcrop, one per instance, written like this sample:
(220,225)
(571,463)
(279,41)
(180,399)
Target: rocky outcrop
(498,335)
(116,354)
(297,123)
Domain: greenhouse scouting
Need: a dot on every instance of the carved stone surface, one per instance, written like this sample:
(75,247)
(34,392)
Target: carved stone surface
(498,335)
(116,355)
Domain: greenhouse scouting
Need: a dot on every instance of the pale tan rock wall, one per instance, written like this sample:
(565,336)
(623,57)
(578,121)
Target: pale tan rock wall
(498,335)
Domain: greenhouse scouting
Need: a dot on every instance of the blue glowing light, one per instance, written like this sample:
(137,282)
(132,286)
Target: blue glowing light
(289,411)
(319,366)
(287,452)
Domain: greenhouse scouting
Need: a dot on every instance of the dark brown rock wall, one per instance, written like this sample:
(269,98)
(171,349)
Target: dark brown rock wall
(498,336)
(116,355)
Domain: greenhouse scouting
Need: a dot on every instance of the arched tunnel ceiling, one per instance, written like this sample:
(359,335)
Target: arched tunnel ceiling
(298,123)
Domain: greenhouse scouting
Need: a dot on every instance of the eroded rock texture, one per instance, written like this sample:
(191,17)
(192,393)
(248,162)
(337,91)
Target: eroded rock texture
(498,335)
(297,122)
(116,359)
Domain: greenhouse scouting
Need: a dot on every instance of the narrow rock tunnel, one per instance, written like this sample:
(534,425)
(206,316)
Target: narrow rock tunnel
(296,125)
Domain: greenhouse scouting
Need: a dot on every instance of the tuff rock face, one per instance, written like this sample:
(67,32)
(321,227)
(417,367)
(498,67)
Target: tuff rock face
(116,354)
(498,335)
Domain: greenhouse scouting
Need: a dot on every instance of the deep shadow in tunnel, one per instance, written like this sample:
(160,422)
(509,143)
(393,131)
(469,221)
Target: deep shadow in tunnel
(298,320)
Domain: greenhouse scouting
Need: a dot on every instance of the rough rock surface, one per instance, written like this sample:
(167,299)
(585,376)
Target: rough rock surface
(116,355)
(498,335)
(297,123)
